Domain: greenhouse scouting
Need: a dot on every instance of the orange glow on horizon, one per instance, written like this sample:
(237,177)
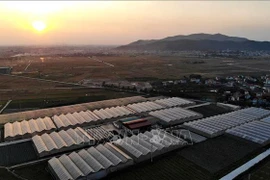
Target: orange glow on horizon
(120,22)
(39,25)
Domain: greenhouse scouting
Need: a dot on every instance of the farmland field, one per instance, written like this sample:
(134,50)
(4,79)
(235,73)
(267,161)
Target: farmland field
(172,167)
(33,172)
(32,94)
(129,67)
(142,68)
(75,69)
(219,154)
(210,110)
(36,93)
(5,175)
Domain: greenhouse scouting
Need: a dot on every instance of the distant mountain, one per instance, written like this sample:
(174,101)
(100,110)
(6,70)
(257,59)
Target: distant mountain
(200,42)
(202,36)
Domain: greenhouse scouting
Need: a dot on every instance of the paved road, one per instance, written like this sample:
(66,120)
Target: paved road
(5,106)
(247,67)
(101,61)
(198,105)
(27,66)
(52,81)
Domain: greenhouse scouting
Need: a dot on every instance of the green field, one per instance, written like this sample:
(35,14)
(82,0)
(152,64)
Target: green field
(56,98)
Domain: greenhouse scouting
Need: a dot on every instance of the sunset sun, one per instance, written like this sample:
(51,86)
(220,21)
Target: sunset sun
(39,25)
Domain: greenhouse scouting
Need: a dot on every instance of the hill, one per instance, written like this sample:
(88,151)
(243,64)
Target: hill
(197,42)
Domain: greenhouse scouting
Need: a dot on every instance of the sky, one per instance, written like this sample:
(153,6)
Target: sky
(122,22)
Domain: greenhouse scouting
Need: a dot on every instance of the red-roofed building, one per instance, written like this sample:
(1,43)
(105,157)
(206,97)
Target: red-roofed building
(137,125)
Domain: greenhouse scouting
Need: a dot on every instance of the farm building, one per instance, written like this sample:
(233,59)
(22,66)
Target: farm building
(92,163)
(119,123)
(149,144)
(128,119)
(27,129)
(144,107)
(217,125)
(5,70)
(135,125)
(256,131)
(56,142)
(174,101)
(175,116)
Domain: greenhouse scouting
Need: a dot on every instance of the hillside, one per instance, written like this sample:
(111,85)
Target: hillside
(199,42)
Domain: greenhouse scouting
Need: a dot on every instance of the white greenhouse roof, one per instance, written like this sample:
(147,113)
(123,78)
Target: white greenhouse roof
(144,107)
(112,112)
(87,163)
(217,125)
(74,119)
(28,128)
(61,141)
(34,114)
(267,119)
(174,101)
(256,131)
(99,133)
(175,115)
(155,142)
